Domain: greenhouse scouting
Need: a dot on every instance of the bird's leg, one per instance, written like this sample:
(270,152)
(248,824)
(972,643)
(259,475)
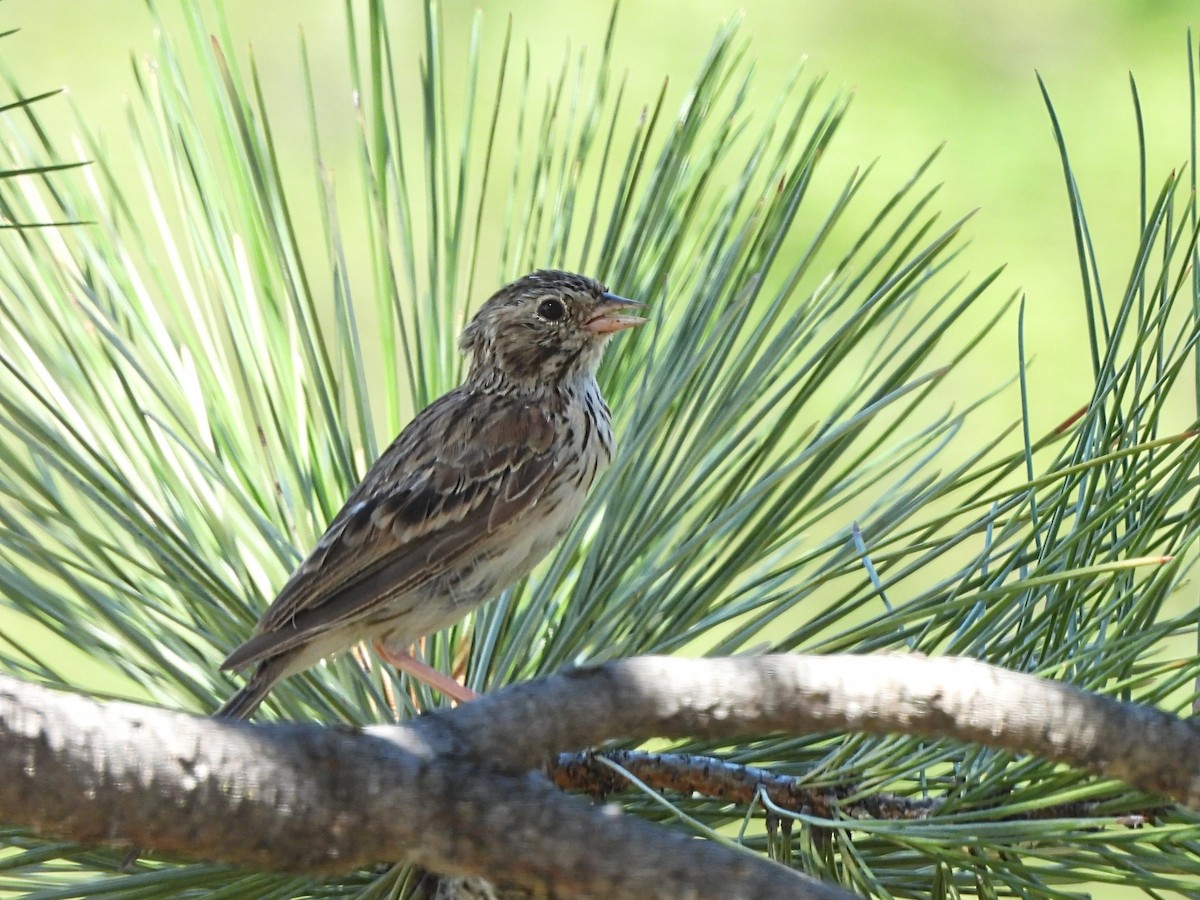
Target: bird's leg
(425,673)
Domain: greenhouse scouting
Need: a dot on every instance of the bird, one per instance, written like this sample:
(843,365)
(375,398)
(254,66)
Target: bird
(467,499)
(470,496)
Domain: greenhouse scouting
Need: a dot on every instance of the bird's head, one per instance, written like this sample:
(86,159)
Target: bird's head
(547,328)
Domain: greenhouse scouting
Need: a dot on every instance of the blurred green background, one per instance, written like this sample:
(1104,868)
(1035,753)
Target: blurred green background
(923,72)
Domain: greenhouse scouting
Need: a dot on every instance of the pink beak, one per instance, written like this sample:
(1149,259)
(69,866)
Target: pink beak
(609,315)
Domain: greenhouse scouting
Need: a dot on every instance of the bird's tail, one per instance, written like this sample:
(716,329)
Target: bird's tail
(243,704)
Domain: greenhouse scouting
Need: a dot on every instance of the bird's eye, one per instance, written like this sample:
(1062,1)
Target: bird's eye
(552,310)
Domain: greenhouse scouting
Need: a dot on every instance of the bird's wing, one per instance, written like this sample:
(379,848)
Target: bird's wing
(463,467)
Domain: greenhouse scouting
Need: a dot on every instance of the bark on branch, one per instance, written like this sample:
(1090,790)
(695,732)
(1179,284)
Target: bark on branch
(453,791)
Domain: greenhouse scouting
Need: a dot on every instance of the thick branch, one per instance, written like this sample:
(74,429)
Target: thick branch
(452,792)
(523,725)
(312,799)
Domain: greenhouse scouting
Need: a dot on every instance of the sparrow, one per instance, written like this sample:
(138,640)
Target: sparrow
(471,495)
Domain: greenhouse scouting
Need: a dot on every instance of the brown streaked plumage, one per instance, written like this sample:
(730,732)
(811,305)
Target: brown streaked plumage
(472,494)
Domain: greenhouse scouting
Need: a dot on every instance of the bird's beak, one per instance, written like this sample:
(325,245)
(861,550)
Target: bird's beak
(609,315)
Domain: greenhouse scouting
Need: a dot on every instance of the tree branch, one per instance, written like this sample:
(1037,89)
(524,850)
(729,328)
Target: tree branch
(888,693)
(452,791)
(741,784)
(320,800)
